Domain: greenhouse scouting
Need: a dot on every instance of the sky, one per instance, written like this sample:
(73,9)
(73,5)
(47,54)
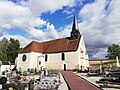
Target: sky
(43,20)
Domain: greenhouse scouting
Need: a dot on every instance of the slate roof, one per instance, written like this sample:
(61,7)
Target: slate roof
(53,46)
(33,47)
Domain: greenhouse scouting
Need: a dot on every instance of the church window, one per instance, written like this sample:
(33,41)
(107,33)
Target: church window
(81,57)
(63,56)
(24,57)
(46,57)
(39,62)
(81,51)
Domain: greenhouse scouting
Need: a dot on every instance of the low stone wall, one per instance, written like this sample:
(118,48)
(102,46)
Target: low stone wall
(6,67)
(104,62)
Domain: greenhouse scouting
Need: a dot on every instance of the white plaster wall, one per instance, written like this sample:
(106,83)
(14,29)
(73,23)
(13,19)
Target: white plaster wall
(31,61)
(42,62)
(83,56)
(54,61)
(87,62)
(72,60)
(23,65)
(35,60)
(6,67)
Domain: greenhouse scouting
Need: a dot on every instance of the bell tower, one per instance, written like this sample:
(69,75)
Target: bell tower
(75,29)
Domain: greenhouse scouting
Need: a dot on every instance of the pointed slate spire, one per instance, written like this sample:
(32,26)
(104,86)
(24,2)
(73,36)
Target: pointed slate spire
(75,30)
(75,25)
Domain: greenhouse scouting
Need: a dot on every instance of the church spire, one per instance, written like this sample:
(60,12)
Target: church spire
(75,24)
(75,30)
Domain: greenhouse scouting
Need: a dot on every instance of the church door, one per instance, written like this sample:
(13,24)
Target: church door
(64,67)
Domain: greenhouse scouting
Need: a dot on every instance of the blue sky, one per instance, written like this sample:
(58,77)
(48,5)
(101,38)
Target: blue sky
(41,20)
(60,18)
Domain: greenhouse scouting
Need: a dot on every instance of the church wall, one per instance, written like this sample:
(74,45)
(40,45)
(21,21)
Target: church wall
(54,61)
(23,65)
(31,61)
(35,60)
(72,60)
(84,60)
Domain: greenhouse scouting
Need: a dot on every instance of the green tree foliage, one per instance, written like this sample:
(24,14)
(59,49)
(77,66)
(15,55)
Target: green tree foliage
(113,51)
(13,49)
(3,49)
(9,49)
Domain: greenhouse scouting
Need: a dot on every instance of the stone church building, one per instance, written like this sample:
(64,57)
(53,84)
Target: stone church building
(67,53)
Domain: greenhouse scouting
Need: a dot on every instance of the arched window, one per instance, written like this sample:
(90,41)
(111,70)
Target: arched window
(46,57)
(39,62)
(63,56)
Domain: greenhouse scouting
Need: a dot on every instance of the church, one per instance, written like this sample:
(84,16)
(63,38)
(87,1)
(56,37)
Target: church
(67,53)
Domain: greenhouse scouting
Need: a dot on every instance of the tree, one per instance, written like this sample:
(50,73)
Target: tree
(113,51)
(3,49)
(13,49)
(9,49)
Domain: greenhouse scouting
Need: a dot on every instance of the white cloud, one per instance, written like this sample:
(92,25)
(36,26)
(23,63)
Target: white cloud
(23,40)
(12,15)
(49,33)
(36,34)
(40,6)
(37,22)
(24,14)
(99,27)
(66,31)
